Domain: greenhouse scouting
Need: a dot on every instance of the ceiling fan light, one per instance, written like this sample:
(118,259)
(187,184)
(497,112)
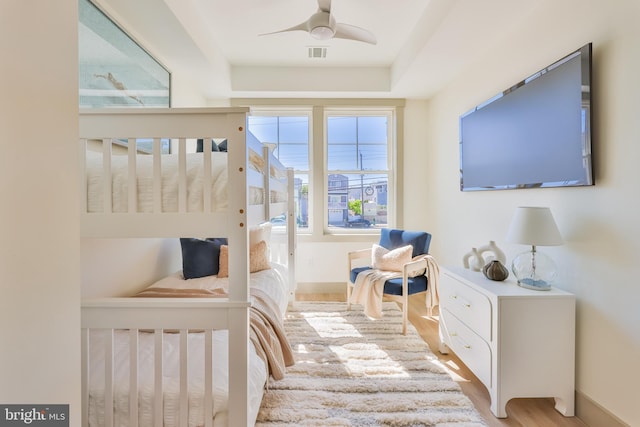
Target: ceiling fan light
(322,32)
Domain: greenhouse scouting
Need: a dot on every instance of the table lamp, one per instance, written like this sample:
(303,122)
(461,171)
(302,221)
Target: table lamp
(534,226)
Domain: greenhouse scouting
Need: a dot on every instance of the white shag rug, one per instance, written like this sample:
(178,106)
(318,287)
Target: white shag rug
(353,371)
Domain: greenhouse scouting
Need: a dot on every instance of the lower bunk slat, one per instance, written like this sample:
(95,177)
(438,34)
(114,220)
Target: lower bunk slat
(198,317)
(184,384)
(108,375)
(158,395)
(133,377)
(208,378)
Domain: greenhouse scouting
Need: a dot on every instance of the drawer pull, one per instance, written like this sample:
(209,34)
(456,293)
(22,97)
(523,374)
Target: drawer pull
(461,341)
(464,303)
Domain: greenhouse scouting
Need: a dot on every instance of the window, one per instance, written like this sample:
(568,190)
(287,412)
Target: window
(288,132)
(358,147)
(344,154)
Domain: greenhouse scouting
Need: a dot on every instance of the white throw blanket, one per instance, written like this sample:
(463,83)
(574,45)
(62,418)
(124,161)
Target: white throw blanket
(367,289)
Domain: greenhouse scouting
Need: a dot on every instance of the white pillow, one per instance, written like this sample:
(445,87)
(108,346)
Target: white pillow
(260,232)
(384,259)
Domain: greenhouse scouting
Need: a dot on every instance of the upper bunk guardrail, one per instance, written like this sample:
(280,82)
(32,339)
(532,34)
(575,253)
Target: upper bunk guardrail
(159,125)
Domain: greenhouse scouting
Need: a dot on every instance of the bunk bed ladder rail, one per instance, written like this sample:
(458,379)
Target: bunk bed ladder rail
(292,233)
(280,191)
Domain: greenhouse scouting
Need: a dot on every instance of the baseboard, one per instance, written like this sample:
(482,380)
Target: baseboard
(594,415)
(321,288)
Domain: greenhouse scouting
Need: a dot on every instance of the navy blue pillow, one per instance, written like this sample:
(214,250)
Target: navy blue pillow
(200,146)
(201,258)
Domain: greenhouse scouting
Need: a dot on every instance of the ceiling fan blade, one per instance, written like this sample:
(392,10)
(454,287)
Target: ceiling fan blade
(324,5)
(351,32)
(304,26)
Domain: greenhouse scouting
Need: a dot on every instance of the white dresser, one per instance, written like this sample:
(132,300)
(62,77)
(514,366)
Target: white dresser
(518,342)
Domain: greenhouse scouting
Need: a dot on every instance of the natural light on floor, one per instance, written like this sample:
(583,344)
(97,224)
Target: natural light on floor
(345,329)
(449,365)
(356,358)
(302,349)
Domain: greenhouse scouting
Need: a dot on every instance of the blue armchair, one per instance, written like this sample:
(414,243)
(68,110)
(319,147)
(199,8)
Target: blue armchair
(405,282)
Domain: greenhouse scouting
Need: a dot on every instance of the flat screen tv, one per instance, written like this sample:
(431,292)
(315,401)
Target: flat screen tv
(535,134)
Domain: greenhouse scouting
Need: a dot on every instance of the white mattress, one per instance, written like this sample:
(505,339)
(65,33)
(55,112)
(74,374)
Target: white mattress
(272,281)
(144,168)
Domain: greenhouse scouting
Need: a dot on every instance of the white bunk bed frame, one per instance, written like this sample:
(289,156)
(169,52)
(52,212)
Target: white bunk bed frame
(183,314)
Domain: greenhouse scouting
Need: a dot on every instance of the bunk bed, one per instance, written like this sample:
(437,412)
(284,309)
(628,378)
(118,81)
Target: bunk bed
(180,195)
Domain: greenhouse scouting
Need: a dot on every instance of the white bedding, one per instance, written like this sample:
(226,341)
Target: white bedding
(272,281)
(144,166)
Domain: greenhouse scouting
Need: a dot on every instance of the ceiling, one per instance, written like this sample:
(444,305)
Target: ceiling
(421,44)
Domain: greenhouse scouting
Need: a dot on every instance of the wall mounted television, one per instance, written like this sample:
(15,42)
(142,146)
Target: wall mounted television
(535,134)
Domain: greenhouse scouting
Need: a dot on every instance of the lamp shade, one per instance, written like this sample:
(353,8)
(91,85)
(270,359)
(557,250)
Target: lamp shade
(534,226)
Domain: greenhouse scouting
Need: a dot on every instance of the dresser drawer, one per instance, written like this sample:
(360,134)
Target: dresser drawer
(468,346)
(470,306)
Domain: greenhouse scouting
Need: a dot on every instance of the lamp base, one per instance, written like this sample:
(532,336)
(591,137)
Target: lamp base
(534,270)
(537,285)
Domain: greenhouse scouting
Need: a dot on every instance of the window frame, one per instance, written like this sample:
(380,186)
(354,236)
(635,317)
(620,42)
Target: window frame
(299,112)
(317,202)
(357,112)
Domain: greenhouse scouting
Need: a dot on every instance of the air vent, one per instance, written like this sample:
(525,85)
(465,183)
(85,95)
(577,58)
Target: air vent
(317,52)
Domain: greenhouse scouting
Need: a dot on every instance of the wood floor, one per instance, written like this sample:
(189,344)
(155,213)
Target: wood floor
(520,412)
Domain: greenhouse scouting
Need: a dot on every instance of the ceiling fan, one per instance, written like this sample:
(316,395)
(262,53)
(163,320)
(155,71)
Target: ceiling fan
(323,26)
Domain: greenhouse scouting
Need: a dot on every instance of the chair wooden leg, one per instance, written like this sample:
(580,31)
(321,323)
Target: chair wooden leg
(348,296)
(405,313)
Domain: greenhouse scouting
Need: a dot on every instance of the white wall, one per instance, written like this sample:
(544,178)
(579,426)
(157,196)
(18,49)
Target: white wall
(140,262)
(184,93)
(598,262)
(418,161)
(39,235)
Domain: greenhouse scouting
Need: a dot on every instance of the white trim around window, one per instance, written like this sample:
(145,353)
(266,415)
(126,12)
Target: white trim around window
(319,110)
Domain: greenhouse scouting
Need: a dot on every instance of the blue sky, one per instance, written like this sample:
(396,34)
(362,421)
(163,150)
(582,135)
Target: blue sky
(355,143)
